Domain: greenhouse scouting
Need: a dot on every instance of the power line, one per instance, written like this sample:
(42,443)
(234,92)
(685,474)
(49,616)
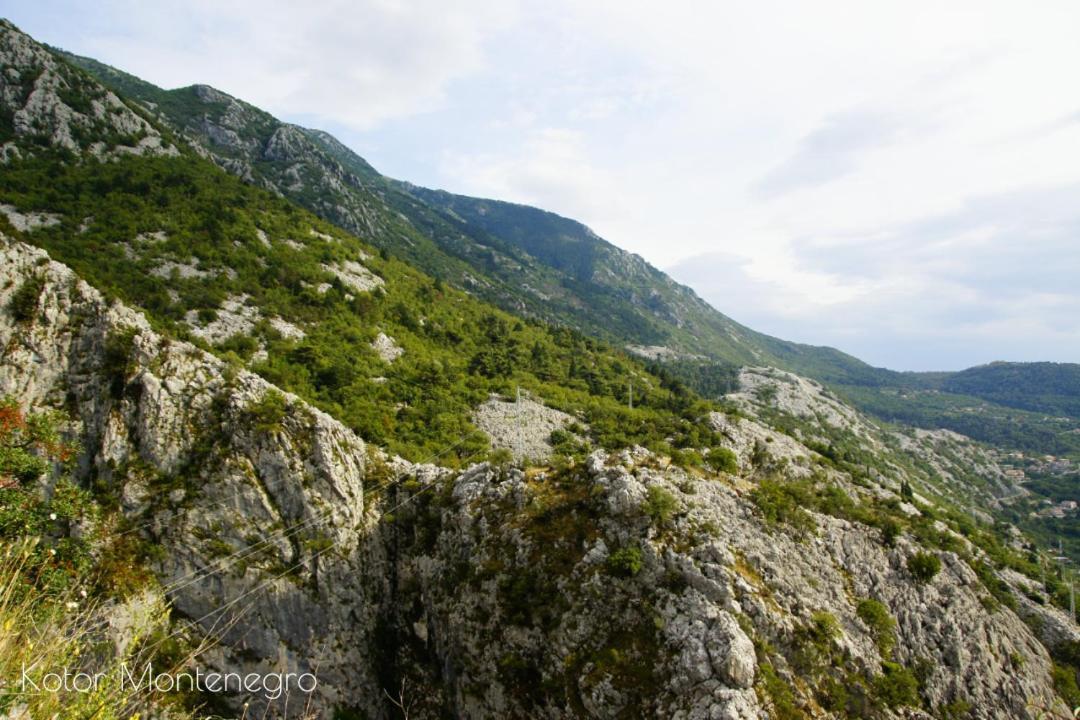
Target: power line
(314,556)
(284,533)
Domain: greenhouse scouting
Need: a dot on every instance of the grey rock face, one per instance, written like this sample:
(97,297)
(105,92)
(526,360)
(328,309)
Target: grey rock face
(490,592)
(522,426)
(302,592)
(36,89)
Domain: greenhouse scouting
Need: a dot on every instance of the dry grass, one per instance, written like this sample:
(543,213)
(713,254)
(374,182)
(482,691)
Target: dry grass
(43,636)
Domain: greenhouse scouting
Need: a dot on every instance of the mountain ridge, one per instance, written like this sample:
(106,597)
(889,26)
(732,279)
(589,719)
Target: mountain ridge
(498,236)
(666,313)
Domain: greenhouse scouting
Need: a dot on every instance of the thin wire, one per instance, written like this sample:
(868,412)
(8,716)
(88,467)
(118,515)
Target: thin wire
(273,579)
(245,552)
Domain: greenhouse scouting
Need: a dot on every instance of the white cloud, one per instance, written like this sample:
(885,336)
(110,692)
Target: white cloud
(554,172)
(341,61)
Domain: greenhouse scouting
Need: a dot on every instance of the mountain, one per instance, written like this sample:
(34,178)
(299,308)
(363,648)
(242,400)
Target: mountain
(305,455)
(619,587)
(536,263)
(524,259)
(1052,388)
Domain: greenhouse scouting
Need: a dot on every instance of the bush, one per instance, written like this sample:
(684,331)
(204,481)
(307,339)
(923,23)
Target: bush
(881,623)
(890,530)
(923,566)
(1065,684)
(116,363)
(722,459)
(782,502)
(660,505)
(897,686)
(24,301)
(27,441)
(814,642)
(778,691)
(268,412)
(625,562)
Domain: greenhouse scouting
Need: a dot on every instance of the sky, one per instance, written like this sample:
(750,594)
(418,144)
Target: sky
(896,179)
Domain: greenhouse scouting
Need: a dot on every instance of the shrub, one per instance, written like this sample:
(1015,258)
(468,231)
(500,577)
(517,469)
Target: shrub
(814,642)
(625,562)
(890,530)
(782,502)
(832,694)
(1065,684)
(268,412)
(116,363)
(687,458)
(722,459)
(956,710)
(24,301)
(27,441)
(778,691)
(824,627)
(501,457)
(881,623)
(896,686)
(923,566)
(660,505)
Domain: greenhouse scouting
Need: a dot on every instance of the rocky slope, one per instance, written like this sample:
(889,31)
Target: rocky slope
(618,588)
(945,463)
(35,90)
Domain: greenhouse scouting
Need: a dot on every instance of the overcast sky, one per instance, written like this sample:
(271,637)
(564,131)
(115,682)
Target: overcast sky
(897,179)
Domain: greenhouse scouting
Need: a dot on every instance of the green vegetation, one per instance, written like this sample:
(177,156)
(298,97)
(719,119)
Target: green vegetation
(268,412)
(625,562)
(124,221)
(26,444)
(783,502)
(814,643)
(660,505)
(882,624)
(722,459)
(897,686)
(923,566)
(778,692)
(24,301)
(1040,387)
(998,425)
(30,446)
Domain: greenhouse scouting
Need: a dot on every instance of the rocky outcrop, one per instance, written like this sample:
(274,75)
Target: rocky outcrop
(817,422)
(46,101)
(255,499)
(798,396)
(386,348)
(522,426)
(620,586)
